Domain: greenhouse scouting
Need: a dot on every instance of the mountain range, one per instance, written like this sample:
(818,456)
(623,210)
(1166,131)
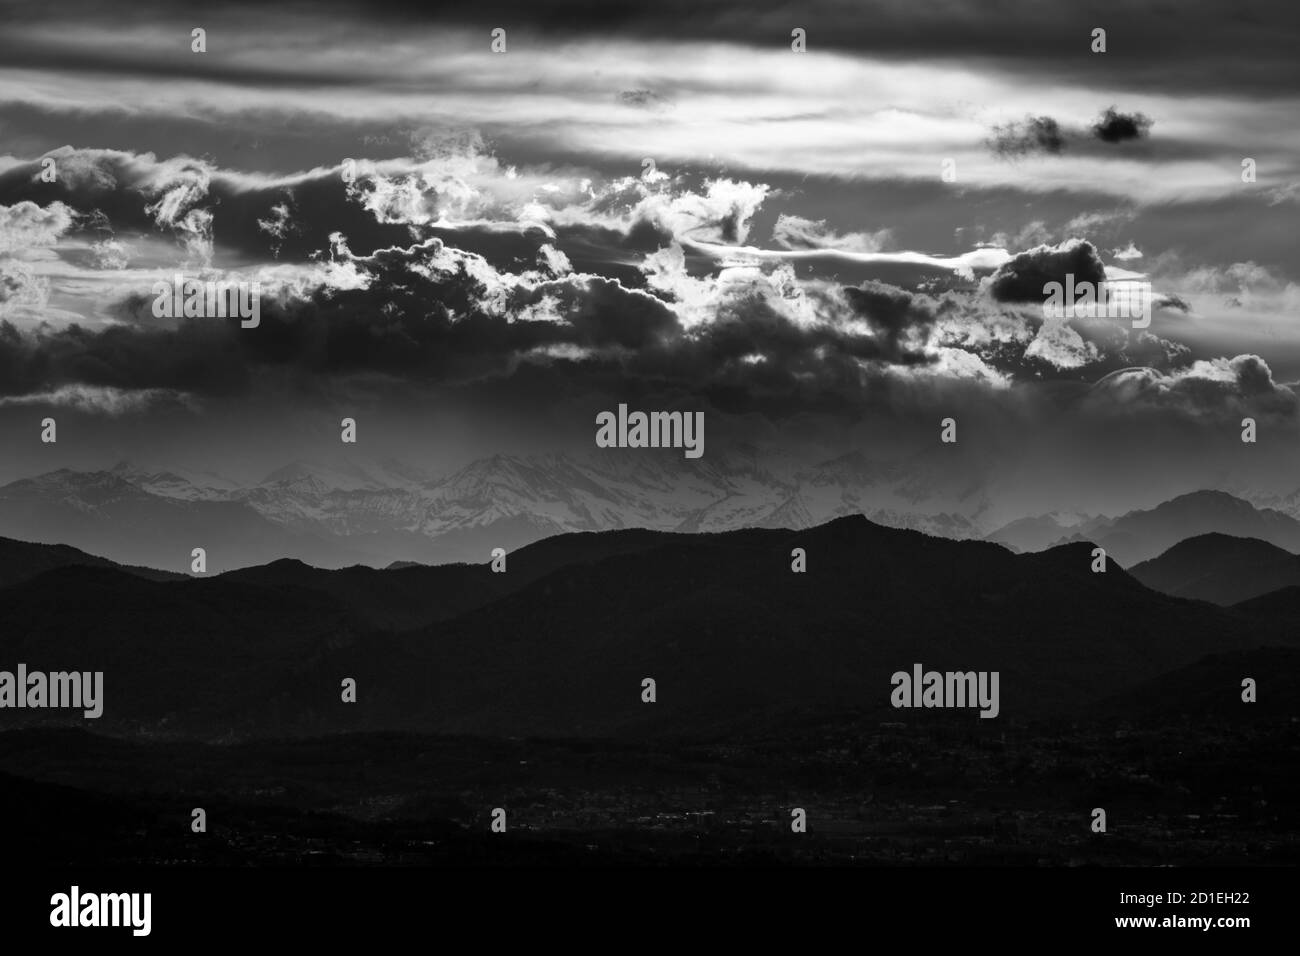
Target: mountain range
(1142,534)
(560,643)
(374,514)
(380,513)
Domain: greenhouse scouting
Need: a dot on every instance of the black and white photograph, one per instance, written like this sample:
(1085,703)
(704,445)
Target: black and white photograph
(568,445)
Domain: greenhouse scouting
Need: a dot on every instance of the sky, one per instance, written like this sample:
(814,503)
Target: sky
(665,205)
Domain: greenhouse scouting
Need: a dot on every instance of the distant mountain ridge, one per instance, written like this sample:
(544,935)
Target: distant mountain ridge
(105,514)
(376,514)
(1038,532)
(1143,534)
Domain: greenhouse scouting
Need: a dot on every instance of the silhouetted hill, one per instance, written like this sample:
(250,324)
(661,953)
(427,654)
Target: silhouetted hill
(55,825)
(400,598)
(1211,688)
(415,595)
(727,631)
(1280,607)
(560,643)
(21,560)
(203,656)
(1220,569)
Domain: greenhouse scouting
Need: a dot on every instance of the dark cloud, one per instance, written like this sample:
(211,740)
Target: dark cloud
(1035,134)
(202,357)
(120,192)
(1172,302)
(644,99)
(434,316)
(1117,127)
(894,315)
(257,218)
(1022,279)
(460,304)
(602,313)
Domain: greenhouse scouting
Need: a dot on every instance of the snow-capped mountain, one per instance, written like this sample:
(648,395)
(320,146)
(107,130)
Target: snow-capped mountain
(379,512)
(1288,504)
(104,513)
(176,483)
(350,476)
